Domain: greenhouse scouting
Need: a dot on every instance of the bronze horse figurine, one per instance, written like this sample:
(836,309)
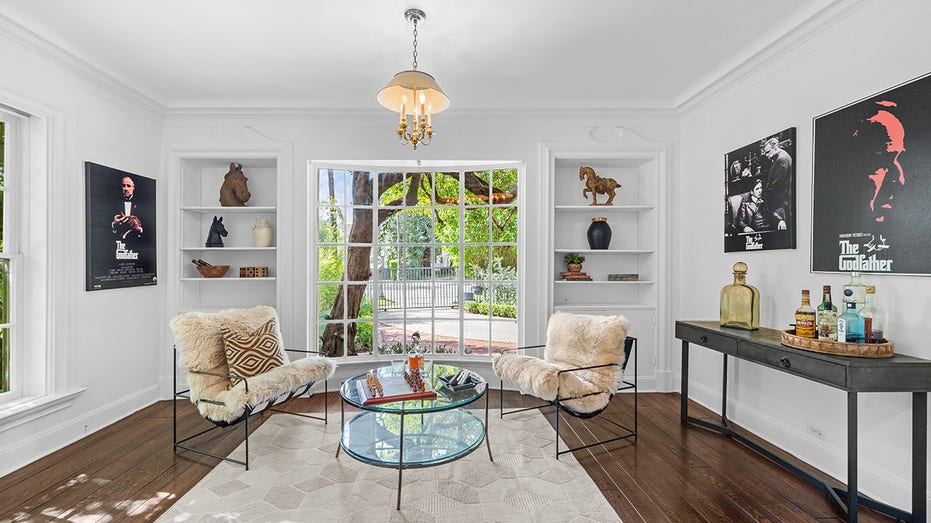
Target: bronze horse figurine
(234,192)
(596,185)
(217,230)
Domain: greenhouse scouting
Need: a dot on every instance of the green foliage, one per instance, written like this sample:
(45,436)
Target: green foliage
(499,310)
(364,336)
(574,258)
(501,293)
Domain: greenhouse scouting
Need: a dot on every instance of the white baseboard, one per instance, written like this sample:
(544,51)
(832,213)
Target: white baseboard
(20,453)
(831,459)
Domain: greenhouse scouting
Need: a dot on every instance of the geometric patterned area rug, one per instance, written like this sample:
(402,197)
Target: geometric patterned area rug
(295,476)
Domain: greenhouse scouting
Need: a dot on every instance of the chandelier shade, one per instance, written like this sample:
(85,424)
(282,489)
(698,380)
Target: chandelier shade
(400,90)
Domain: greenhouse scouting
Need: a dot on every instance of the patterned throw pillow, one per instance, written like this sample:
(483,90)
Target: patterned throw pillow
(252,354)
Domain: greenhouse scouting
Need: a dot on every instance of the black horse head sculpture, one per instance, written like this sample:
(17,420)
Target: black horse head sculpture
(216,231)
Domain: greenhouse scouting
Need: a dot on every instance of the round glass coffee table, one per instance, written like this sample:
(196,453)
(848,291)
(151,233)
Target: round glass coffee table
(415,432)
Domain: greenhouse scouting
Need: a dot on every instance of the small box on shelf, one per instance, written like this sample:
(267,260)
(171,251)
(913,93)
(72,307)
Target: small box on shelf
(253,272)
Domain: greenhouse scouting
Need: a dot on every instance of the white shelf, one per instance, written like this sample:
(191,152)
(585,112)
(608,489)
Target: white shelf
(237,249)
(232,278)
(230,210)
(633,307)
(603,282)
(607,251)
(601,209)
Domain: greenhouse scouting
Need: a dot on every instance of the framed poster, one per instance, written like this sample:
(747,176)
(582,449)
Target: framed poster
(120,228)
(759,194)
(870,185)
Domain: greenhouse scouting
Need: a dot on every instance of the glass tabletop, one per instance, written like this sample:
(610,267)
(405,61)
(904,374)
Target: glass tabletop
(439,437)
(446,398)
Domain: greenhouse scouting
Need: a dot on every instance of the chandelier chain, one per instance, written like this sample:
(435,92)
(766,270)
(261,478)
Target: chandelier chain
(415,43)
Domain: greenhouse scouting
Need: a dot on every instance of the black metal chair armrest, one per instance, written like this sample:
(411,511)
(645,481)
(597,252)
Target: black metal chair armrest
(523,348)
(230,376)
(574,369)
(305,351)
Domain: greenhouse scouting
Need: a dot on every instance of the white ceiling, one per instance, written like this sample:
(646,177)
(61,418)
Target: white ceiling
(486,54)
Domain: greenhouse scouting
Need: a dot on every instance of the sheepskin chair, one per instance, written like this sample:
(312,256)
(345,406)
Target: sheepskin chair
(262,376)
(582,366)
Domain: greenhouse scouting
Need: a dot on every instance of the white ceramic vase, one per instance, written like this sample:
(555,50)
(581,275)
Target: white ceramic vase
(262,233)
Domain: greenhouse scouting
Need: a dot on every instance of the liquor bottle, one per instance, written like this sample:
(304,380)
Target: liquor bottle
(826,317)
(855,291)
(849,328)
(740,302)
(872,318)
(805,318)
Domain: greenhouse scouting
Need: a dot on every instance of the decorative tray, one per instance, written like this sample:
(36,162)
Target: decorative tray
(393,388)
(468,384)
(838,348)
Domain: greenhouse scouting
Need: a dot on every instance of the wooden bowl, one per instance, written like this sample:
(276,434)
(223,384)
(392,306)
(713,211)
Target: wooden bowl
(212,271)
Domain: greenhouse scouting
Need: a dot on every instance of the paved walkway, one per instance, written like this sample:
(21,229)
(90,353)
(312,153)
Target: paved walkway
(503,334)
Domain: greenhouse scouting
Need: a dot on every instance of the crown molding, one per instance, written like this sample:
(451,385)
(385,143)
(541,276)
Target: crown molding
(112,88)
(304,113)
(824,25)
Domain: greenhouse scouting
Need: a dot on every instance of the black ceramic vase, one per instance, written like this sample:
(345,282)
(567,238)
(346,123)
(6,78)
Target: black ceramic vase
(599,234)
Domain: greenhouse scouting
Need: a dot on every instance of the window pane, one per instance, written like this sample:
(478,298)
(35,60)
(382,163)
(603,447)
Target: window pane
(447,225)
(364,340)
(476,262)
(504,225)
(5,360)
(2,153)
(332,187)
(446,189)
(361,188)
(2,214)
(330,264)
(4,290)
(326,297)
(504,187)
(477,222)
(330,225)
(331,338)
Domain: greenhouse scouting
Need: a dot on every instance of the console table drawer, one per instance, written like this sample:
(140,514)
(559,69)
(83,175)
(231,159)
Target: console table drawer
(795,363)
(719,342)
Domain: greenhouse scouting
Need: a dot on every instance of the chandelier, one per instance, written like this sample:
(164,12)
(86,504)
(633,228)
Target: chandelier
(416,93)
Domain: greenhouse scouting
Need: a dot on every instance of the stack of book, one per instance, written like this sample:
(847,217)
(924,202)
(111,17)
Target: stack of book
(575,276)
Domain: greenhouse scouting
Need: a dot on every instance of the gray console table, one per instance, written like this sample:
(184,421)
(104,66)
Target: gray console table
(854,375)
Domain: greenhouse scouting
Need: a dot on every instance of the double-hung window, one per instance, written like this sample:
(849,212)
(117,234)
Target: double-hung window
(10,163)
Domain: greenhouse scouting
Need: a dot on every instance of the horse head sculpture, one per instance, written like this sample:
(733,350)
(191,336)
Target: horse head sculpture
(217,231)
(234,192)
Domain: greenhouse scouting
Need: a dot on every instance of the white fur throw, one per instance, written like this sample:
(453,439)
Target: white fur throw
(200,343)
(572,341)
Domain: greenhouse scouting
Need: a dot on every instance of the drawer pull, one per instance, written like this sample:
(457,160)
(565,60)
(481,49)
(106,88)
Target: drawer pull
(703,339)
(784,362)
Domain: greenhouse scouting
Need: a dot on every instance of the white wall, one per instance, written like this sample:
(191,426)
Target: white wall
(488,137)
(104,341)
(868,51)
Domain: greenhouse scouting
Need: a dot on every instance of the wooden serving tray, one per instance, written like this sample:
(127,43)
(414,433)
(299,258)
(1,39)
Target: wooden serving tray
(857,350)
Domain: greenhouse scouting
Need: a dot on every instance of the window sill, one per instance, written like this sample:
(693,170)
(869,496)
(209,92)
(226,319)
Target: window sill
(24,410)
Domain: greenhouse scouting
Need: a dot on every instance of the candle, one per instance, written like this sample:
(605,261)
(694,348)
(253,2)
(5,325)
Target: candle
(401,119)
(422,98)
(430,116)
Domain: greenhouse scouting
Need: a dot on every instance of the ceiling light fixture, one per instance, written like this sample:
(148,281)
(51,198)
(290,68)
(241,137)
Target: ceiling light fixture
(414,92)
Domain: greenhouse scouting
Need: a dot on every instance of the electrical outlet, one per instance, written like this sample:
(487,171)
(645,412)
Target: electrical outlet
(815,430)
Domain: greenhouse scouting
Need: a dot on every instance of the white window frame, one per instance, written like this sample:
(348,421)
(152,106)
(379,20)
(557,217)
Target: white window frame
(39,385)
(14,164)
(314,169)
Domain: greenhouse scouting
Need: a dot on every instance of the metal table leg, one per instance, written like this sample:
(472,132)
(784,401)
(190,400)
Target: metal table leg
(684,406)
(919,456)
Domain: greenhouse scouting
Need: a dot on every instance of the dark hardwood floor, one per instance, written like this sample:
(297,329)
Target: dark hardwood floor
(128,471)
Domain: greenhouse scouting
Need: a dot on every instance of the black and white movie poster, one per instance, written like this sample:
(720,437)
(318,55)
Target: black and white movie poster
(120,228)
(759,194)
(872,184)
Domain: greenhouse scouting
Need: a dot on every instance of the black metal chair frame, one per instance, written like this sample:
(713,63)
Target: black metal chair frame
(250,410)
(630,347)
